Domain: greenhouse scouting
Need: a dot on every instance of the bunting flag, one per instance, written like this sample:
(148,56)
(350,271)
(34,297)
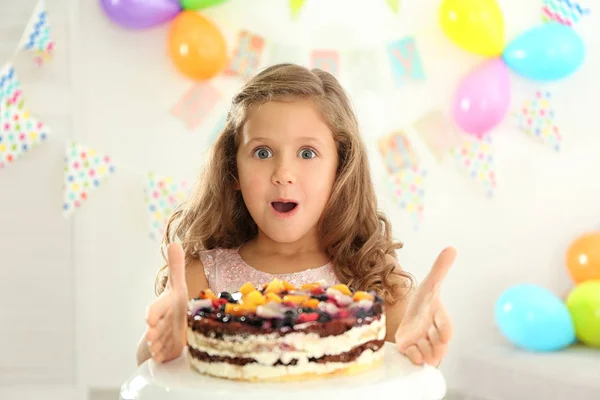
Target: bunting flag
(438,133)
(475,159)
(537,119)
(327,60)
(405,60)
(85,170)
(11,96)
(394,5)
(162,194)
(246,57)
(36,37)
(405,175)
(196,104)
(18,135)
(566,12)
(295,7)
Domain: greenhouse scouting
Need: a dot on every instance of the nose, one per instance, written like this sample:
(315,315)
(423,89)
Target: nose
(283,175)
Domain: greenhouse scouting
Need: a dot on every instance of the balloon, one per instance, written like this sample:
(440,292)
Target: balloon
(583,258)
(534,319)
(482,98)
(138,14)
(196,46)
(474,25)
(547,52)
(198,4)
(584,306)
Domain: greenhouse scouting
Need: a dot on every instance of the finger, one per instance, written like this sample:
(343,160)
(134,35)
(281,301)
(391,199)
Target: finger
(426,349)
(158,309)
(439,270)
(157,332)
(443,325)
(176,261)
(414,355)
(406,338)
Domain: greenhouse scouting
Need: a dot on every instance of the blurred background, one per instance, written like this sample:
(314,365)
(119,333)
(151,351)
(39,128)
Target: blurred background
(119,125)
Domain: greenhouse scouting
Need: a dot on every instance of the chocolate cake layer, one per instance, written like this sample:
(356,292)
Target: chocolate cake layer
(346,357)
(216,329)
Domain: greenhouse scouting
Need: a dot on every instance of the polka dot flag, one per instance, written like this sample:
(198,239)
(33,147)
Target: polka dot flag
(162,195)
(36,37)
(85,170)
(475,158)
(537,119)
(19,132)
(405,175)
(566,12)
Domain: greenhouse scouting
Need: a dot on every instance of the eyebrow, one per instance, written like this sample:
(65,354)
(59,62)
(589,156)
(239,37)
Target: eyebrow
(300,139)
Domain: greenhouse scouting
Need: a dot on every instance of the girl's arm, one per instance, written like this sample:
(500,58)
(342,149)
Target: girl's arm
(196,281)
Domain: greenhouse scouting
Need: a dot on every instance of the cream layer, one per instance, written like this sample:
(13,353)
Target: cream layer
(256,371)
(268,349)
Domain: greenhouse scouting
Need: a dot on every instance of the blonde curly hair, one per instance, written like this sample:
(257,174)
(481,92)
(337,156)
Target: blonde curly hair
(354,234)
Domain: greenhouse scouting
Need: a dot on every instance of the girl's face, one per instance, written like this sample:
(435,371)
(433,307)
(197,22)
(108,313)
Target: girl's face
(287,162)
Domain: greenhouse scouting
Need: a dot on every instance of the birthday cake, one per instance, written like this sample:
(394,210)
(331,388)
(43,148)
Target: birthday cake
(282,332)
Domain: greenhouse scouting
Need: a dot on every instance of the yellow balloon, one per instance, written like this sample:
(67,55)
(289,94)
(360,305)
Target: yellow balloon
(474,25)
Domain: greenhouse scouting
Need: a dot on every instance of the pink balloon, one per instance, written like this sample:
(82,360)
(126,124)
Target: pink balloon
(483,97)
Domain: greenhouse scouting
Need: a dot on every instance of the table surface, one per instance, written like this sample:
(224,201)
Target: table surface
(396,377)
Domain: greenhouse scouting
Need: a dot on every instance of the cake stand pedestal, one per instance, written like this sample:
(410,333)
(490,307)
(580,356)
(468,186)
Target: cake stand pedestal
(397,378)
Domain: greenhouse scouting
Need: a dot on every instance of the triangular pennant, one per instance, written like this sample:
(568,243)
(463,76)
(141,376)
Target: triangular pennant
(405,175)
(19,135)
(406,187)
(36,37)
(566,12)
(162,195)
(394,5)
(85,170)
(438,133)
(475,158)
(538,120)
(11,96)
(295,7)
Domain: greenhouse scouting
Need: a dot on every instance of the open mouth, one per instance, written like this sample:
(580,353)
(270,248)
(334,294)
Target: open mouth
(283,207)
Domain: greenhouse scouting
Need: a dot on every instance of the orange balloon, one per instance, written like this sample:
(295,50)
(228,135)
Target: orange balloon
(583,258)
(196,46)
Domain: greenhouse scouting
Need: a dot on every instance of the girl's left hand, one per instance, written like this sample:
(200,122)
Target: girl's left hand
(426,328)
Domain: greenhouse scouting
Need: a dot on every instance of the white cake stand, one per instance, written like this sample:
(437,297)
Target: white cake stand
(397,378)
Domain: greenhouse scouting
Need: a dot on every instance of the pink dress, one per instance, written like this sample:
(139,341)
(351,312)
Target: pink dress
(226,271)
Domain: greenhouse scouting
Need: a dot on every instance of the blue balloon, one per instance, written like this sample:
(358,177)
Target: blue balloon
(533,318)
(547,52)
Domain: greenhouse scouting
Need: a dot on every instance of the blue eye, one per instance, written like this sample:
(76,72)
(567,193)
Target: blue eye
(262,153)
(307,154)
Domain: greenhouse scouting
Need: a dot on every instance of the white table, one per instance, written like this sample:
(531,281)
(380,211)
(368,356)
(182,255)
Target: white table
(500,371)
(397,377)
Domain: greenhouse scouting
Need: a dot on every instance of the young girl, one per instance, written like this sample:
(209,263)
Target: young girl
(287,193)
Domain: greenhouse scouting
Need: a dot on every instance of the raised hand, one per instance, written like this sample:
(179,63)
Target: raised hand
(426,328)
(166,316)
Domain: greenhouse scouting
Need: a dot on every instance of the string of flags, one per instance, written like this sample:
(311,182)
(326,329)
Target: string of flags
(407,172)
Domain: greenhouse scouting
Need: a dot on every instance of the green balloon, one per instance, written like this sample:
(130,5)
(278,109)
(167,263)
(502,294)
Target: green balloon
(198,4)
(584,305)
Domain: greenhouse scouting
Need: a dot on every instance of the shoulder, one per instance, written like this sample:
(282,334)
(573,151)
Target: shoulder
(195,277)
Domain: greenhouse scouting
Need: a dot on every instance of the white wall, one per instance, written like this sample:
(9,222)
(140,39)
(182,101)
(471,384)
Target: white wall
(124,86)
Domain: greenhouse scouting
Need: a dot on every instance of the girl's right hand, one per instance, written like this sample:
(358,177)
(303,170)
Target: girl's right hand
(166,316)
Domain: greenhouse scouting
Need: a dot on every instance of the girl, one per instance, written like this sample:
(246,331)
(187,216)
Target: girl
(287,193)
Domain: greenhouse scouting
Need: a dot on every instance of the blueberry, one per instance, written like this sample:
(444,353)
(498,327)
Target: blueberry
(361,313)
(291,314)
(288,321)
(227,296)
(324,317)
(320,297)
(306,310)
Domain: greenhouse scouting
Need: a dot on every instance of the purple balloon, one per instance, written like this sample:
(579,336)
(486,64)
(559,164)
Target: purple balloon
(140,14)
(482,98)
